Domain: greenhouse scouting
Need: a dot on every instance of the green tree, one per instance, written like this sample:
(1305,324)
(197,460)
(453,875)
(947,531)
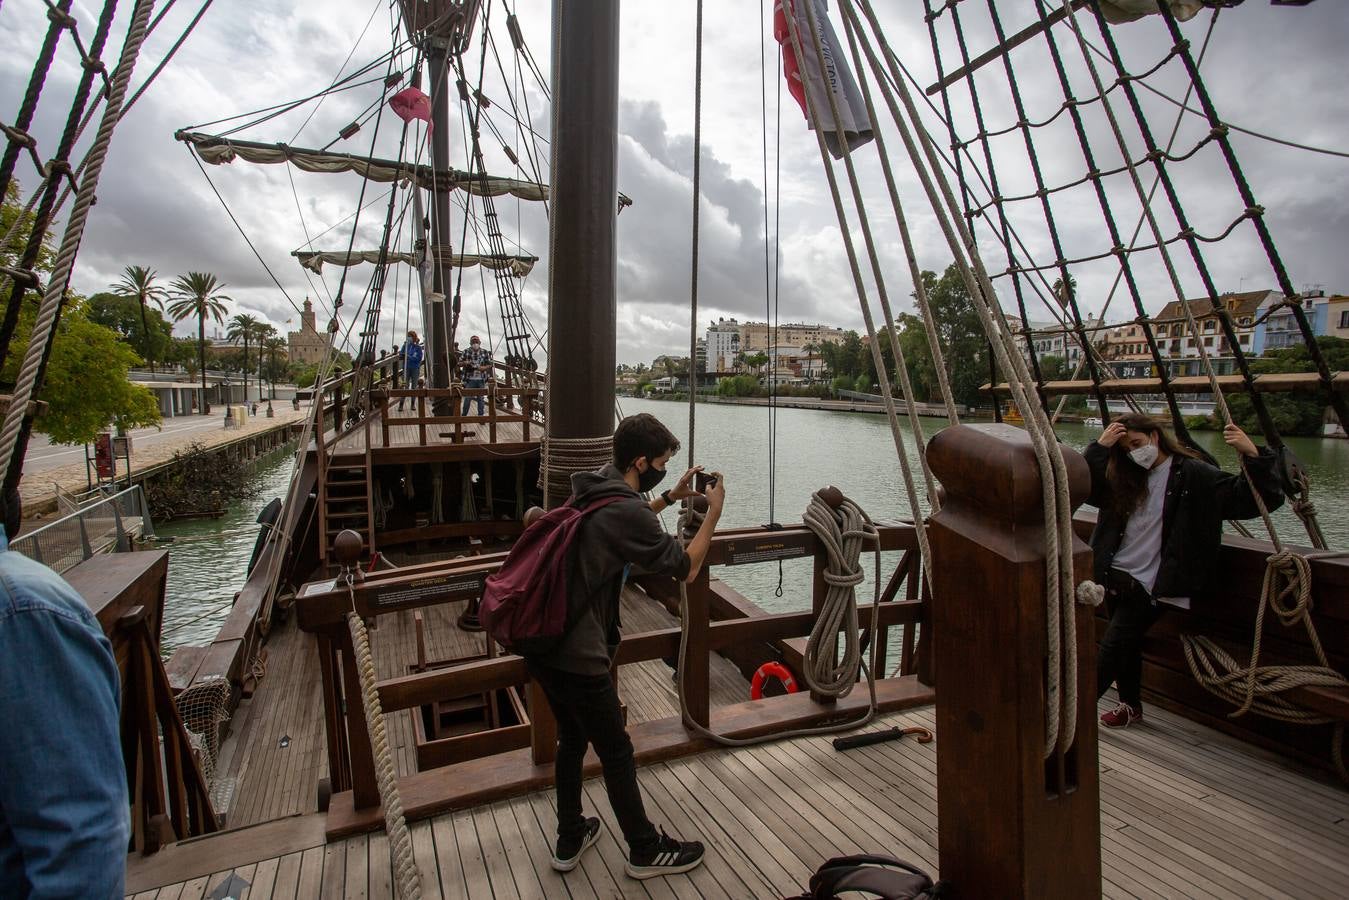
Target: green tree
(917,356)
(1054,367)
(139,282)
(959,333)
(199,294)
(12,212)
(1293,413)
(272,346)
(85,386)
(244,327)
(151,337)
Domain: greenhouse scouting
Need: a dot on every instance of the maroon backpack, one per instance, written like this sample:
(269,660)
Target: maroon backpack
(525,607)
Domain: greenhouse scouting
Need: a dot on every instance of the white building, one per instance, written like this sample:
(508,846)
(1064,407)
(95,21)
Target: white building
(723,346)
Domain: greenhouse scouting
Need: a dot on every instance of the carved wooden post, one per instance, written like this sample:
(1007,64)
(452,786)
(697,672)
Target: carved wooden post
(1011,822)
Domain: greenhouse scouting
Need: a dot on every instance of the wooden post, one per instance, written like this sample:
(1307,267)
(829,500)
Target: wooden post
(817,594)
(339,766)
(542,726)
(695,667)
(1011,822)
(364,788)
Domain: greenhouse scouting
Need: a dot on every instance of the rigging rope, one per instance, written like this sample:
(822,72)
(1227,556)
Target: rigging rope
(395,825)
(1060,729)
(697,199)
(18,421)
(57,167)
(60,19)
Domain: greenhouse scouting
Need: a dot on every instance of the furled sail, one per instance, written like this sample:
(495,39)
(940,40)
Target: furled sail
(314,260)
(219,150)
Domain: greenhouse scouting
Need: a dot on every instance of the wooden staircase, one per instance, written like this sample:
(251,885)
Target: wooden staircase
(344,502)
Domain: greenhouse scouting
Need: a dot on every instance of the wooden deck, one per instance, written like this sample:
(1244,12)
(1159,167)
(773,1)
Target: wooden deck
(1185,812)
(277,752)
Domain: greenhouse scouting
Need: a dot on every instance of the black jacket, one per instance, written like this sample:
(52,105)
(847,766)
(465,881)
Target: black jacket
(622,535)
(1199,498)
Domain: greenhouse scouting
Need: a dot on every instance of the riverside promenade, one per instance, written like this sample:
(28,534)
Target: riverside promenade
(48,465)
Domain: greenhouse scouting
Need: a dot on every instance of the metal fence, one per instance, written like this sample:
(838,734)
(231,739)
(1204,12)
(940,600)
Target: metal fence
(109,524)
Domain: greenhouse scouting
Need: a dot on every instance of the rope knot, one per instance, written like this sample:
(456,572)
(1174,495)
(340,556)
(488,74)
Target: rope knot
(1089,593)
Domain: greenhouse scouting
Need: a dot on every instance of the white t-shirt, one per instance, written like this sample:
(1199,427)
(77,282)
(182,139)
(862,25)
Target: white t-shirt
(1140,552)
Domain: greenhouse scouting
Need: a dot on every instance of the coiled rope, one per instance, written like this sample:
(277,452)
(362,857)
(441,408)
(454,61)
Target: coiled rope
(395,825)
(843,532)
(1255,688)
(560,457)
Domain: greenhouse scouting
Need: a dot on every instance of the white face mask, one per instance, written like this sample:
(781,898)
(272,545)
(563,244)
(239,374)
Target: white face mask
(1144,456)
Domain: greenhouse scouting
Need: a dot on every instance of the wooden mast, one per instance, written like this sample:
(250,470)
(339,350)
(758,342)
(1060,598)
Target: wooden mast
(582,299)
(443,28)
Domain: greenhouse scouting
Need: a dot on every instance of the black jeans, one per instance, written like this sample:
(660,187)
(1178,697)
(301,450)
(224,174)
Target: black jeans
(1119,658)
(587,711)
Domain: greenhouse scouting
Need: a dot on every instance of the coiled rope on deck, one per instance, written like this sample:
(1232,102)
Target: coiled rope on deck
(386,776)
(1255,688)
(843,534)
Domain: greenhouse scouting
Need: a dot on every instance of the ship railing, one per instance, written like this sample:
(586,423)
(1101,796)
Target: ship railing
(506,760)
(500,403)
(113,523)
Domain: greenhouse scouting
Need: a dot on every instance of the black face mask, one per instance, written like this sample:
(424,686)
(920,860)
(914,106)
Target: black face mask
(650,478)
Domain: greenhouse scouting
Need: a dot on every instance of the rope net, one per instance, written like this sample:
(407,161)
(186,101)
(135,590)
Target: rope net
(1000,163)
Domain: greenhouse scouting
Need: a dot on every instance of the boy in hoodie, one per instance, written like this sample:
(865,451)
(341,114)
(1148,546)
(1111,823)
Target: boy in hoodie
(623,537)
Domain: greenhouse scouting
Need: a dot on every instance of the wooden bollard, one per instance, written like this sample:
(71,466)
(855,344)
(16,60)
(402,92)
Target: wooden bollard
(1011,823)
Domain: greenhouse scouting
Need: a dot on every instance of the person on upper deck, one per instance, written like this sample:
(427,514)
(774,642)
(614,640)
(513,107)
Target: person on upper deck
(577,676)
(410,356)
(64,813)
(1157,536)
(476,362)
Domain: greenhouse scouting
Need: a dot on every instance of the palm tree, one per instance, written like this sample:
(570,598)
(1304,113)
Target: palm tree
(265,332)
(139,282)
(272,345)
(244,327)
(199,295)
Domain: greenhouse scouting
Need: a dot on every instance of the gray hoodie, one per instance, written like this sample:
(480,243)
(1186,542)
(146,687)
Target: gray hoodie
(624,536)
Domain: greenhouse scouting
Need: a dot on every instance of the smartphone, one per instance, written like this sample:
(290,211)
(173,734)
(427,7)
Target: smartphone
(702,481)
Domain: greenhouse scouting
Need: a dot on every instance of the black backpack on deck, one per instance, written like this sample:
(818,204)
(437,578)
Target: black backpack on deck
(881,876)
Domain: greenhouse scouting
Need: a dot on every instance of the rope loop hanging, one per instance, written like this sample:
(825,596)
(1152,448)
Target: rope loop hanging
(843,532)
(400,840)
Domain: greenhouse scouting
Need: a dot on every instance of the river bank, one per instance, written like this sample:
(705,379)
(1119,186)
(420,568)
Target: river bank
(152,453)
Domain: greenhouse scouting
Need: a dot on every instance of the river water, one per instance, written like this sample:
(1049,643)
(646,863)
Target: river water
(814,448)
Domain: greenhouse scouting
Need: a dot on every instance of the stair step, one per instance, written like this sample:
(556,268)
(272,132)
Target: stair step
(346,515)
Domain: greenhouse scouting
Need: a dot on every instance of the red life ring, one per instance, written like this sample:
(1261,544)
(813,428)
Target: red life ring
(774,670)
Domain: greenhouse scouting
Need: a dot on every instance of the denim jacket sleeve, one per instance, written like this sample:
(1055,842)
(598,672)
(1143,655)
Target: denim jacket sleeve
(63,796)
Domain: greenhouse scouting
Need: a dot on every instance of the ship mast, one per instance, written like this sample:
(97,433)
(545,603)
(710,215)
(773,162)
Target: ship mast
(582,298)
(443,29)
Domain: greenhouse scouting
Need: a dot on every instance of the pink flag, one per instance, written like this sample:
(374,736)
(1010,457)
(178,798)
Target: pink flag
(411,103)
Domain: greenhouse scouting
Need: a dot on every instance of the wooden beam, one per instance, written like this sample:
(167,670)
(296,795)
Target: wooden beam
(983,59)
(1279,382)
(479,676)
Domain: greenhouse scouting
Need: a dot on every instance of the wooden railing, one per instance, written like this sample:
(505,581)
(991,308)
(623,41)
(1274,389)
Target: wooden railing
(168,792)
(494,415)
(512,760)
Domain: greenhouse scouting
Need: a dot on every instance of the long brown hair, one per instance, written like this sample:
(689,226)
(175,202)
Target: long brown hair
(1128,481)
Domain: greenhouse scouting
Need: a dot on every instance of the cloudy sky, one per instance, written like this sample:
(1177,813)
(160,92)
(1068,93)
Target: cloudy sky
(1271,70)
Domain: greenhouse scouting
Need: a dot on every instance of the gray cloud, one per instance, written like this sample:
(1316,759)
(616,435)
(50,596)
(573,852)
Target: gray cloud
(1269,69)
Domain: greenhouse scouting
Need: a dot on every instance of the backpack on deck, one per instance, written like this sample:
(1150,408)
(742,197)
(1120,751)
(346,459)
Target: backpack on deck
(878,876)
(525,607)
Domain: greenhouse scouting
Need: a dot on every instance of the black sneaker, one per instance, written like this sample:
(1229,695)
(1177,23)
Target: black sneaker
(670,857)
(568,852)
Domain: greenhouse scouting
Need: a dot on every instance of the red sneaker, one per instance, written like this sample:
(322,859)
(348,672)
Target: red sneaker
(1121,716)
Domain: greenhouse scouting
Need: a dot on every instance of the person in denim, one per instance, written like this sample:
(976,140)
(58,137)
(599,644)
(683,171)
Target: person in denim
(64,813)
(477,366)
(410,357)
